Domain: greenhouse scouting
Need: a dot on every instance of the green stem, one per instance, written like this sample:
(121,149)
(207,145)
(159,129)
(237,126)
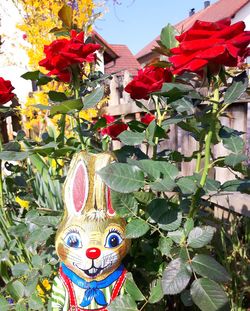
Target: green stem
(160,118)
(208,142)
(208,139)
(63,124)
(198,162)
(78,121)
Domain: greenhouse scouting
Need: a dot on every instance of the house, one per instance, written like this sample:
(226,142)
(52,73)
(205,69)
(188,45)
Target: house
(118,60)
(235,9)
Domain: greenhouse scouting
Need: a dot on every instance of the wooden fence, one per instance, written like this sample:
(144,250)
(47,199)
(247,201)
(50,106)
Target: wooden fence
(237,117)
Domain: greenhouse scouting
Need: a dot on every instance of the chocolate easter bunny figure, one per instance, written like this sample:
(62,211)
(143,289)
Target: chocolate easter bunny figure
(90,240)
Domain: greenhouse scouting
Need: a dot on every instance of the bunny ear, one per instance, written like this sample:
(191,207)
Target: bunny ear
(110,210)
(76,187)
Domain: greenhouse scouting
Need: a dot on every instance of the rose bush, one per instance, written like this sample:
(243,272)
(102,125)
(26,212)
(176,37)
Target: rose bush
(175,258)
(61,54)
(212,44)
(148,80)
(6,89)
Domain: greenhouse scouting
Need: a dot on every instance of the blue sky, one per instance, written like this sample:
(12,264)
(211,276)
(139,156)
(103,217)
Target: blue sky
(137,22)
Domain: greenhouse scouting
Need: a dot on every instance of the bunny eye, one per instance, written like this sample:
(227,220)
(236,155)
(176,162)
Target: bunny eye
(113,239)
(73,240)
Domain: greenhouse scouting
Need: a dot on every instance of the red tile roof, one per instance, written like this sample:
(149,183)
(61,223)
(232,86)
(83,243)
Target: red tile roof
(125,61)
(216,11)
(107,47)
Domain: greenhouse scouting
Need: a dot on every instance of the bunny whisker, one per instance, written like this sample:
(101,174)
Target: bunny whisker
(71,257)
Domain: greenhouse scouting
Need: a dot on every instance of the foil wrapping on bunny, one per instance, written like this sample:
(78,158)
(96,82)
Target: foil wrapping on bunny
(90,240)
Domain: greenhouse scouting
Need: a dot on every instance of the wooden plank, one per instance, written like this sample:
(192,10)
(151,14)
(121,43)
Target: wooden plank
(128,108)
(232,201)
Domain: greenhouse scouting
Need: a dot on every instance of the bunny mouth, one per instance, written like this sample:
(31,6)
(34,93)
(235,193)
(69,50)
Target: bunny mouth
(93,271)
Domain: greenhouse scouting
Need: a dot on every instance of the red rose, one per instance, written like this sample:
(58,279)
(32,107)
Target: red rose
(5,91)
(62,53)
(148,80)
(210,44)
(148,118)
(113,130)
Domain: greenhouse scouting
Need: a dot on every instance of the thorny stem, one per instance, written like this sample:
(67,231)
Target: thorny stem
(208,141)
(78,122)
(160,118)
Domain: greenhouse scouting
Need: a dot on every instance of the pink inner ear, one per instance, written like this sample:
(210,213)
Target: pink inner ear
(80,188)
(110,210)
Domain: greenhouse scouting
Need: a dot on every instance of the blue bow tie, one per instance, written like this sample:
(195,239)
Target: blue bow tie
(93,288)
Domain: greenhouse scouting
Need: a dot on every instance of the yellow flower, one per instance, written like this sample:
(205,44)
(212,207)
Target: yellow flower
(22,203)
(46,286)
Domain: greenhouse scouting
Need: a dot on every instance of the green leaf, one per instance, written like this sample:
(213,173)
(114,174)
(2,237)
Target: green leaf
(209,296)
(187,185)
(136,228)
(175,278)
(156,169)
(235,159)
(66,15)
(183,105)
(136,126)
(156,293)
(165,184)
(21,306)
(124,204)
(131,138)
(38,236)
(237,88)
(35,302)
(186,298)
(20,269)
(174,120)
(142,106)
(231,139)
(43,79)
(167,37)
(36,261)
(177,236)
(174,91)
(188,226)
(166,216)
(207,266)
(92,99)
(4,304)
(31,285)
(13,156)
(200,236)
(122,177)
(175,224)
(132,289)
(16,289)
(144,197)
(212,185)
(124,303)
(20,230)
(57,96)
(241,185)
(66,106)
(165,245)
(31,75)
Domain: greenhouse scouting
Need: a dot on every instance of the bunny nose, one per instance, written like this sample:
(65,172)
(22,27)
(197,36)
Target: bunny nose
(93,253)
